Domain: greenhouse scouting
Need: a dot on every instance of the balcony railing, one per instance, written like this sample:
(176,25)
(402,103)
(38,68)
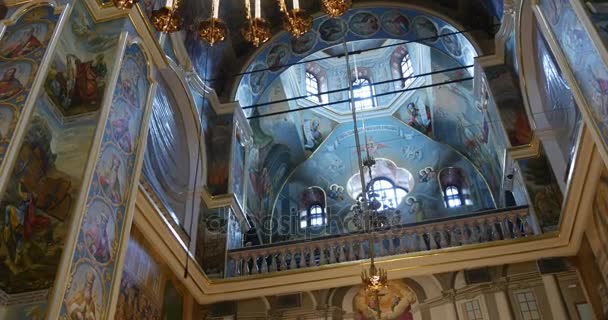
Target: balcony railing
(482,227)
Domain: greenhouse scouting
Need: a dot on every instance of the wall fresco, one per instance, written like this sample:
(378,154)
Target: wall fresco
(237,171)
(406,149)
(22,48)
(471,127)
(46,179)
(109,195)
(140,295)
(589,70)
(212,239)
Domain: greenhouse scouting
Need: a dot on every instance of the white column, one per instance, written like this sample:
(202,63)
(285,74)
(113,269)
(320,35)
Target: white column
(558,309)
(502,304)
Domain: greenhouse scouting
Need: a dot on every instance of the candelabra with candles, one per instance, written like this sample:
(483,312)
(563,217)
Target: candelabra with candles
(335,8)
(295,21)
(166,19)
(213,30)
(257,29)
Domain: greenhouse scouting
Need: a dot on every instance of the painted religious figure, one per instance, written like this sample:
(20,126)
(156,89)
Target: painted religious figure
(76,86)
(312,135)
(418,120)
(122,132)
(110,177)
(82,304)
(99,231)
(10,86)
(395,302)
(24,43)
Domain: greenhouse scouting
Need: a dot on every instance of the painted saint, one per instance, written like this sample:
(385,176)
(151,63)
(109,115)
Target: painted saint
(9,84)
(23,223)
(110,180)
(89,75)
(26,44)
(98,239)
(122,133)
(81,305)
(312,135)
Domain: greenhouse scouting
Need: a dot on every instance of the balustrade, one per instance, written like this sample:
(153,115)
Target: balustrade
(441,234)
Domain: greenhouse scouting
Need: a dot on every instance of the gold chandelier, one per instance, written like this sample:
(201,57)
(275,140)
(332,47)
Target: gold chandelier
(295,21)
(335,8)
(166,19)
(257,29)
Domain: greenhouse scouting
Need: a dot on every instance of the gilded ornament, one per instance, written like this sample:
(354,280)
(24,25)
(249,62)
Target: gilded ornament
(335,8)
(124,4)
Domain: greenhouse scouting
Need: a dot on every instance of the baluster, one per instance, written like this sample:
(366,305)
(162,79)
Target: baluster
(465,234)
(283,264)
(273,262)
(494,235)
(527,229)
(246,268)
(443,239)
(362,254)
(292,261)
(455,238)
(403,242)
(332,254)
(341,253)
(416,242)
(382,251)
(351,250)
(391,243)
(474,232)
(483,231)
(517,227)
(322,259)
(431,236)
(302,257)
(504,227)
(264,268)
(254,265)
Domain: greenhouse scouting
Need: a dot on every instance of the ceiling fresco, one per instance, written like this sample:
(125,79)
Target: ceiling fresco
(221,64)
(357,24)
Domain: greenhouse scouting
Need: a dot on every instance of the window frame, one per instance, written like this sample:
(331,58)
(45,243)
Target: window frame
(526,293)
(307,216)
(394,187)
(311,78)
(453,197)
(361,103)
(406,74)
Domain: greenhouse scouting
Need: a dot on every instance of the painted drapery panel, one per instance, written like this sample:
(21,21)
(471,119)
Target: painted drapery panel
(94,260)
(140,295)
(590,71)
(167,158)
(560,111)
(45,182)
(22,48)
(212,239)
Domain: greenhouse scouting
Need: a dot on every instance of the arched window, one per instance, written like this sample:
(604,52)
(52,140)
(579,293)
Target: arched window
(312,87)
(407,71)
(455,187)
(363,94)
(313,204)
(386,193)
(452,196)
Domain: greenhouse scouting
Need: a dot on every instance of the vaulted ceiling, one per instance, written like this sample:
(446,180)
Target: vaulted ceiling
(226,60)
